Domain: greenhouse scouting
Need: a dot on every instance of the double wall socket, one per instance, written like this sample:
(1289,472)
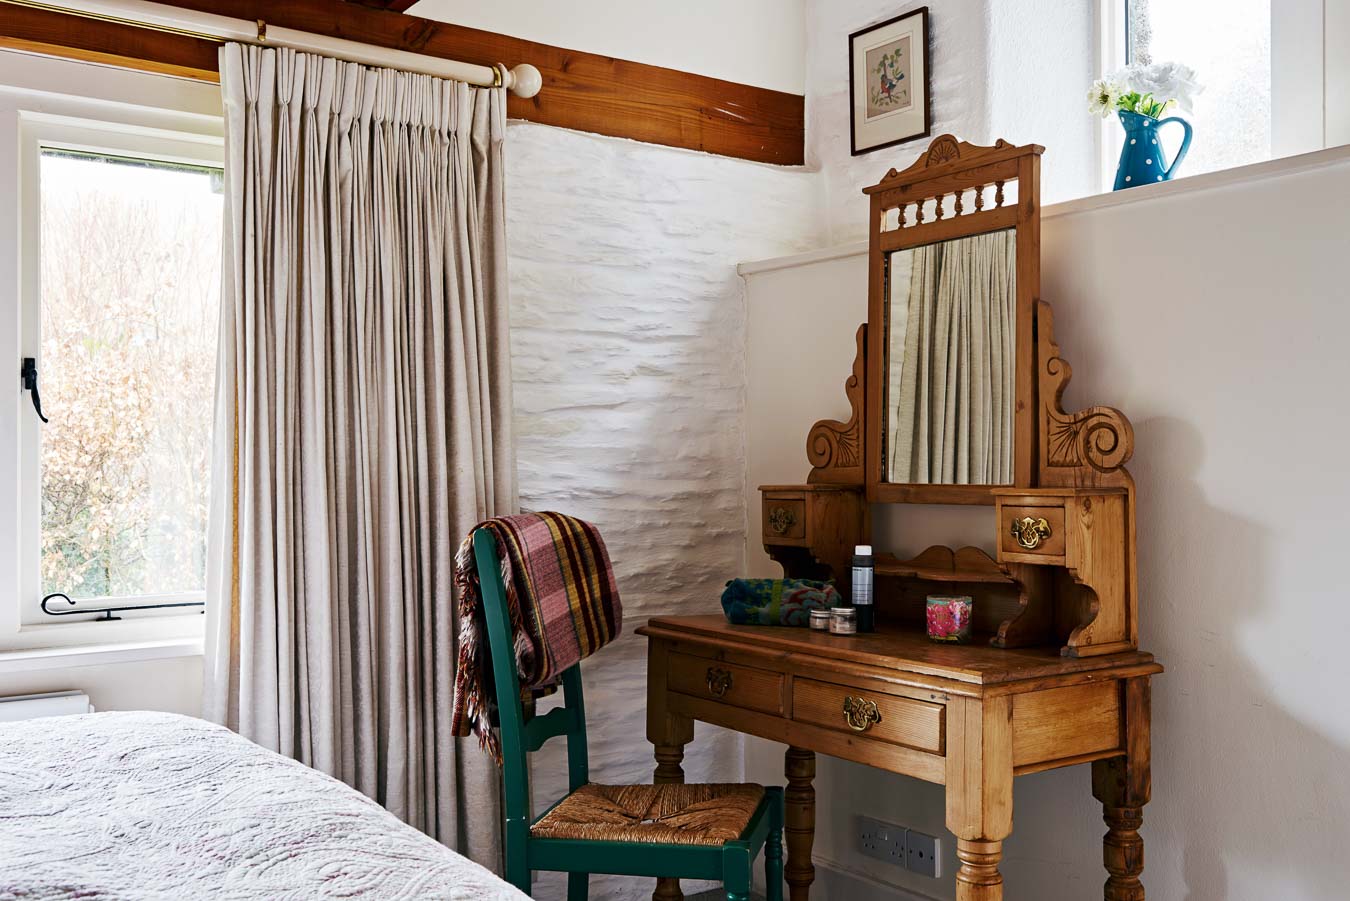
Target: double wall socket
(906,848)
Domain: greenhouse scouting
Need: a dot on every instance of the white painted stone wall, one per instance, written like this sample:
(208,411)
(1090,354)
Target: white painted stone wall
(628,331)
(1014,69)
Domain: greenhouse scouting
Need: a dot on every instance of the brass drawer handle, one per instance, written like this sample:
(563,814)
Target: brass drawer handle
(1030,532)
(781,519)
(719,681)
(860,713)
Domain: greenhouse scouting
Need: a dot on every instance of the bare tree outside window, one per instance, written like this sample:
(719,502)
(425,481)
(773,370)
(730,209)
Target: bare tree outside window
(130,298)
(1227,43)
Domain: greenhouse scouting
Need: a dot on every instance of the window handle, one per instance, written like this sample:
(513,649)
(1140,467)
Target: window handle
(29,376)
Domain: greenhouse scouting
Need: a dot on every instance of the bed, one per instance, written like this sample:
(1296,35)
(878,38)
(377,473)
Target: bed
(159,806)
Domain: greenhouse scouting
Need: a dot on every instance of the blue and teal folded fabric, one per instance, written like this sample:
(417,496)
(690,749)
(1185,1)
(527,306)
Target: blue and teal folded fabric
(777,602)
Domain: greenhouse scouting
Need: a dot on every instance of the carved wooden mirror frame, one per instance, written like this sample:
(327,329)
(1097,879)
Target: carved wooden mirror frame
(955,190)
(1052,448)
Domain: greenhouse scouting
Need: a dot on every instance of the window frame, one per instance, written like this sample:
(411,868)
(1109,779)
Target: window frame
(131,113)
(1303,75)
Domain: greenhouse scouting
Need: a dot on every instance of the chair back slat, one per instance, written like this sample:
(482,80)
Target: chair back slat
(519,737)
(558,721)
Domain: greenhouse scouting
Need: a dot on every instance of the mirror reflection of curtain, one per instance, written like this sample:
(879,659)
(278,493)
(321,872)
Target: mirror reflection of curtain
(952,409)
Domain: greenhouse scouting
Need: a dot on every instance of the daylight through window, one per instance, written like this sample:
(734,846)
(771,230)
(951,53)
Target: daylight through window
(130,253)
(1227,43)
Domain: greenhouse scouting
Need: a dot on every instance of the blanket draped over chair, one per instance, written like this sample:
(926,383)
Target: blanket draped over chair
(562,603)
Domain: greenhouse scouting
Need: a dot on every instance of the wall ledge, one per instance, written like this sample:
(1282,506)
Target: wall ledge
(1290,165)
(29,661)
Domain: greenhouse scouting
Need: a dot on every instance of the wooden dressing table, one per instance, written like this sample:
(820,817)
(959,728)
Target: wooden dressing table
(1054,677)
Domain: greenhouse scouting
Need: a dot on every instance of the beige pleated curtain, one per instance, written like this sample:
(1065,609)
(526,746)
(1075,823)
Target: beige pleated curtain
(952,353)
(362,422)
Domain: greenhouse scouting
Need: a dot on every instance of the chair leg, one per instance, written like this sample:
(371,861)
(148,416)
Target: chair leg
(773,846)
(737,861)
(578,886)
(517,868)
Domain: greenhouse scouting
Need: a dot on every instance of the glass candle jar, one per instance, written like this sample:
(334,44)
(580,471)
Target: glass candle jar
(820,619)
(949,618)
(844,621)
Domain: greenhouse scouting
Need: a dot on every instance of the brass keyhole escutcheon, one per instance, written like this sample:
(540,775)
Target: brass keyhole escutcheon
(719,681)
(860,713)
(781,519)
(1030,532)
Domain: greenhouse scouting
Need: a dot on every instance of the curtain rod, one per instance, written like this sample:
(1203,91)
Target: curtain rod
(523,80)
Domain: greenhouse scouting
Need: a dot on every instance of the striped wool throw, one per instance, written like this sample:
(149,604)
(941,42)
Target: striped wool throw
(561,599)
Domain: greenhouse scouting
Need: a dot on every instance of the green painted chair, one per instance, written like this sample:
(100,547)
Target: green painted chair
(753,818)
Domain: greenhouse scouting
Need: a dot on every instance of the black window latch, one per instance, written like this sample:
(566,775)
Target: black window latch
(29,375)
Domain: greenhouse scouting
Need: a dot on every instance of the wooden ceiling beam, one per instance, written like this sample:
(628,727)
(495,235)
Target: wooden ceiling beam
(582,91)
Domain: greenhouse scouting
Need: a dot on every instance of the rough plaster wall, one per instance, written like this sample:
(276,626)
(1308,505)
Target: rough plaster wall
(959,72)
(628,332)
(1014,69)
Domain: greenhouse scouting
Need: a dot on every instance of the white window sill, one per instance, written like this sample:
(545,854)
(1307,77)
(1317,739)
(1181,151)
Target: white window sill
(28,661)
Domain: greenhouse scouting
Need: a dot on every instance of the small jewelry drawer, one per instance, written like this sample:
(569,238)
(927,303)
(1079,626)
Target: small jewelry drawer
(784,519)
(1031,529)
(902,721)
(727,683)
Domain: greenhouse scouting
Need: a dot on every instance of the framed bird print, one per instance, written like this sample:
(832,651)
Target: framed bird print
(888,76)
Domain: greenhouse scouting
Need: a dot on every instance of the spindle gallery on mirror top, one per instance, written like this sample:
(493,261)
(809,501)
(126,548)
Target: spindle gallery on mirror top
(1054,677)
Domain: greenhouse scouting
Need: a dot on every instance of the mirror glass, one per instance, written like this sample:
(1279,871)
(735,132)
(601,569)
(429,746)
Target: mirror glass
(951,314)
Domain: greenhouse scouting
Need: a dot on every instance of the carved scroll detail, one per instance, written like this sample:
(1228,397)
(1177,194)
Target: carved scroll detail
(835,449)
(1087,448)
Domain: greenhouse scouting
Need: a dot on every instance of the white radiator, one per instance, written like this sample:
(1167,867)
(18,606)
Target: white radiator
(55,703)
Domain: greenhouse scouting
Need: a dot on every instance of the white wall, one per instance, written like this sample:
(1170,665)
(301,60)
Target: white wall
(1229,358)
(172,684)
(1014,69)
(759,42)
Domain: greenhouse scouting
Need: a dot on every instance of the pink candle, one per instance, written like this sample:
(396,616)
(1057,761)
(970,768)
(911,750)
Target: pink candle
(949,618)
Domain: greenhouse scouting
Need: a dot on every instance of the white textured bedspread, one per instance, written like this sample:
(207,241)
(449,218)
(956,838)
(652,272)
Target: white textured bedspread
(158,806)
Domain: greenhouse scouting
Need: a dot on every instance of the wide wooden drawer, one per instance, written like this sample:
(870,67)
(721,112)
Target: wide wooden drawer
(902,721)
(728,683)
(1046,530)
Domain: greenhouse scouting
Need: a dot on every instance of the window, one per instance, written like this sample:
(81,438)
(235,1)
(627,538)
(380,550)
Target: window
(1270,72)
(1227,42)
(115,247)
(130,275)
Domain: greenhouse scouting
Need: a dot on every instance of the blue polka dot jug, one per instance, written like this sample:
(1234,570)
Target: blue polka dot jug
(1141,158)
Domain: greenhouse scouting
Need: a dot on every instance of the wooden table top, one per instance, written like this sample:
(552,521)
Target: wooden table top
(893,648)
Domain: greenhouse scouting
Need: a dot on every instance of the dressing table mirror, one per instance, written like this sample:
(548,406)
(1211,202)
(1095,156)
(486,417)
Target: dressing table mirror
(955,397)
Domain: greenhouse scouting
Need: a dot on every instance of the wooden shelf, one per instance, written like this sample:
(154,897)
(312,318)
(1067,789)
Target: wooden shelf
(942,564)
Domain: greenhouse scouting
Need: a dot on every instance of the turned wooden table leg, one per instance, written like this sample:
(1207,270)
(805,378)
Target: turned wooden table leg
(668,733)
(799,825)
(668,769)
(1123,785)
(979,791)
(978,878)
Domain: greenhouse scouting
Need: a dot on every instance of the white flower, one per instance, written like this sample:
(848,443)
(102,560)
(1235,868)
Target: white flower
(1165,81)
(1103,97)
